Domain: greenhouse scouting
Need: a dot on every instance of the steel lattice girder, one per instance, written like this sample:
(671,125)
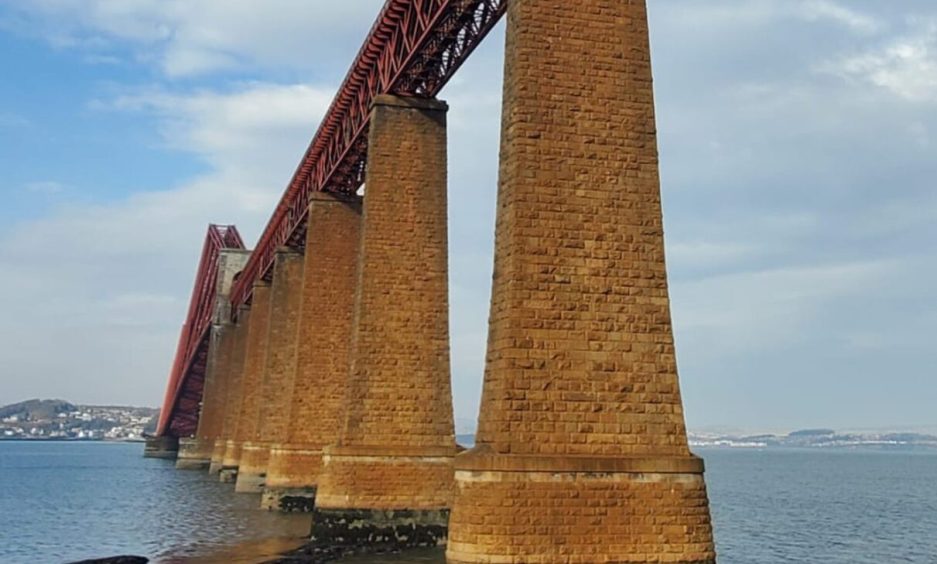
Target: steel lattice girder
(188,369)
(413,49)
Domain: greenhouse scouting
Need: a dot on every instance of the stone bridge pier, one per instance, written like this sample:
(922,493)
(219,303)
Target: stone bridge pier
(234,369)
(388,477)
(196,452)
(581,453)
(267,422)
(245,416)
(331,392)
(321,355)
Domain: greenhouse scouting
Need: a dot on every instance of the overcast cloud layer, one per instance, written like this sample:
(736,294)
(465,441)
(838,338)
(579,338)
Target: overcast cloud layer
(797,147)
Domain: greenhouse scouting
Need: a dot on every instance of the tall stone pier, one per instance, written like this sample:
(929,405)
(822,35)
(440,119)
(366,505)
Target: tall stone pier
(255,354)
(196,452)
(389,477)
(234,369)
(276,381)
(321,354)
(581,449)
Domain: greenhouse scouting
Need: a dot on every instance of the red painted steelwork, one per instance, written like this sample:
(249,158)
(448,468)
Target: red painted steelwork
(413,49)
(179,415)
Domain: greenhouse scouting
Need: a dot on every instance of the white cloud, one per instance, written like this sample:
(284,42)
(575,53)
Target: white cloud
(190,37)
(235,128)
(783,191)
(907,67)
(746,15)
(709,254)
(768,309)
(814,10)
(107,284)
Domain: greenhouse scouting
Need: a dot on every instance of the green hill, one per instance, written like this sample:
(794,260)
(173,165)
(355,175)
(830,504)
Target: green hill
(35,409)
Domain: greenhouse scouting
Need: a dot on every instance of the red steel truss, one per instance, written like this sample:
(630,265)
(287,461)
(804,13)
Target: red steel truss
(413,49)
(179,415)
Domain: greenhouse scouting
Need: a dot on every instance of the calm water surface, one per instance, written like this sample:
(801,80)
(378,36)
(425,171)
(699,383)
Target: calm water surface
(65,501)
(70,501)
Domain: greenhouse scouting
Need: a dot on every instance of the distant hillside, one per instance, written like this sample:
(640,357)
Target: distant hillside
(37,410)
(818,438)
(62,420)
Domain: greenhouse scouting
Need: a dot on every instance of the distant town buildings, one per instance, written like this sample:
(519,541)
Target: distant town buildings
(59,420)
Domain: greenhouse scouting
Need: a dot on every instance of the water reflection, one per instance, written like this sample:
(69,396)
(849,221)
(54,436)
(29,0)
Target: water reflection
(69,501)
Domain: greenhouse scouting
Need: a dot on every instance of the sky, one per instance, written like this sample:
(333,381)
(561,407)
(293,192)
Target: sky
(797,138)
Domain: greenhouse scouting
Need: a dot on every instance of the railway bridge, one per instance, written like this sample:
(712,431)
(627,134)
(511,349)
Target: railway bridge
(314,369)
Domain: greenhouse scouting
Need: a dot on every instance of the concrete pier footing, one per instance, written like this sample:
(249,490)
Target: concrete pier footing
(230,462)
(194,454)
(161,447)
(217,456)
(252,468)
(288,500)
(380,529)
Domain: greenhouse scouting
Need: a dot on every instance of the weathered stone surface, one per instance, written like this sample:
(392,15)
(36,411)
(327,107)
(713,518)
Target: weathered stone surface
(288,500)
(252,467)
(322,349)
(582,453)
(397,440)
(255,354)
(227,453)
(392,529)
(161,447)
(192,455)
(276,382)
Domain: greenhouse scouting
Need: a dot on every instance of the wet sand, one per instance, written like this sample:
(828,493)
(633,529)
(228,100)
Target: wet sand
(292,536)
(251,552)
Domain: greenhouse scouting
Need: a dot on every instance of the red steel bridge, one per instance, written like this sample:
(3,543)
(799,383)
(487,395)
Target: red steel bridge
(413,49)
(179,416)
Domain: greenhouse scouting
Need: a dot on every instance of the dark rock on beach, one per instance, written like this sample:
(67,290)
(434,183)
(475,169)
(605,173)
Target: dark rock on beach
(115,560)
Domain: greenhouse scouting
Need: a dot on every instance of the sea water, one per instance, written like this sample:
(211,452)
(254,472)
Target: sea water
(68,501)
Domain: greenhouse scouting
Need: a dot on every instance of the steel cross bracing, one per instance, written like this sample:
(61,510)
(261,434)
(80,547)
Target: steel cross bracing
(413,49)
(179,414)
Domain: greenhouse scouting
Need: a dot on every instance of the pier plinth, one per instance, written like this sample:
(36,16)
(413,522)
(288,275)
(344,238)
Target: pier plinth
(581,452)
(248,456)
(165,447)
(388,480)
(194,454)
(226,452)
(322,349)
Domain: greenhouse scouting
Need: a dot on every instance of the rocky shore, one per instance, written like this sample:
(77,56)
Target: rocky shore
(310,554)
